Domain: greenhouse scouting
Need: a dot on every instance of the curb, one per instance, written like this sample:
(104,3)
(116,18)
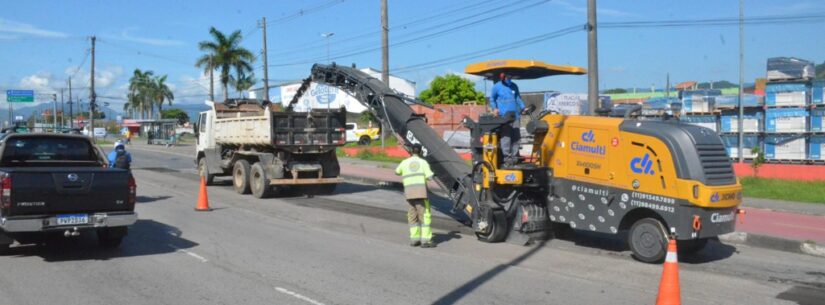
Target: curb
(774,243)
(740,238)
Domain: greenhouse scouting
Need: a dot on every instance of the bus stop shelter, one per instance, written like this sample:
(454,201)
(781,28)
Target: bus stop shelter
(160,131)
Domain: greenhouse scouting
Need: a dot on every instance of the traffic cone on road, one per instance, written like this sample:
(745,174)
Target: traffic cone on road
(203,200)
(669,286)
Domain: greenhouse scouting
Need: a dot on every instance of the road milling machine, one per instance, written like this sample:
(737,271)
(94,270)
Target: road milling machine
(611,173)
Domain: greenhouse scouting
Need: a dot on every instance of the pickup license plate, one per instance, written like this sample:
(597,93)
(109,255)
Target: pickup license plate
(72,219)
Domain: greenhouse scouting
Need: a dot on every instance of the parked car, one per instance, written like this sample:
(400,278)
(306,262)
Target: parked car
(362,136)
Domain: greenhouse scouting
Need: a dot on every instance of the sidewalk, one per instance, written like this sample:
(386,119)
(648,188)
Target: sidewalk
(785,224)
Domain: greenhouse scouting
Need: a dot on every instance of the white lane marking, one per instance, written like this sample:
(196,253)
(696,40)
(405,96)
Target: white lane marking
(190,253)
(298,296)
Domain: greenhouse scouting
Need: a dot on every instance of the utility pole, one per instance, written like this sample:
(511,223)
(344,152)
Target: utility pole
(71,115)
(741,76)
(62,111)
(92,95)
(592,59)
(385,57)
(266,67)
(54,114)
(667,87)
(211,81)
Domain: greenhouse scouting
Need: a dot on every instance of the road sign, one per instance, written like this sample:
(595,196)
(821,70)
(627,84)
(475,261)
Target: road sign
(18,118)
(20,96)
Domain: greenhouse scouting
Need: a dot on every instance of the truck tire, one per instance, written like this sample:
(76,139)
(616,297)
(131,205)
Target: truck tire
(647,240)
(259,181)
(240,176)
(364,140)
(111,237)
(209,178)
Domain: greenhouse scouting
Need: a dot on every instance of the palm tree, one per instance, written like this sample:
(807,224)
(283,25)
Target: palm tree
(139,86)
(207,64)
(226,55)
(161,92)
(243,83)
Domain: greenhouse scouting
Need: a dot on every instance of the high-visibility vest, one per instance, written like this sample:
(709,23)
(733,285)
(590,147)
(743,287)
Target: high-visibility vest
(414,171)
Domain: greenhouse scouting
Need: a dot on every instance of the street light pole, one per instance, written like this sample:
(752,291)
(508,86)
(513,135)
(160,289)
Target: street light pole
(327,36)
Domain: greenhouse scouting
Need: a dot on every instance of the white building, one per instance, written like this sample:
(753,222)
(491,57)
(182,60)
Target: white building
(323,96)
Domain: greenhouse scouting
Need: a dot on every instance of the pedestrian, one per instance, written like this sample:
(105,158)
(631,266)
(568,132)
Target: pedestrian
(128,136)
(415,171)
(505,100)
(119,157)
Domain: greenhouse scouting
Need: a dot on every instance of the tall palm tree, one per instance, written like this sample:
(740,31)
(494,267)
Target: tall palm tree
(226,55)
(139,86)
(161,93)
(208,65)
(243,83)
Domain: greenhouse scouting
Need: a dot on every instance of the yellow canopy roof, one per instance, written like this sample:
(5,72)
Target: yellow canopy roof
(520,69)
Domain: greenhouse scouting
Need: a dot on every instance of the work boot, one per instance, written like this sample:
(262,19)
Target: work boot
(428,244)
(415,243)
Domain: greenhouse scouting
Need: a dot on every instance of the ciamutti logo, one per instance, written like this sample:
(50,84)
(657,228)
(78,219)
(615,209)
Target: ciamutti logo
(587,145)
(642,165)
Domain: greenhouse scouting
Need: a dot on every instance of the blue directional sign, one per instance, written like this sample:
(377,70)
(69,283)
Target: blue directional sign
(20,96)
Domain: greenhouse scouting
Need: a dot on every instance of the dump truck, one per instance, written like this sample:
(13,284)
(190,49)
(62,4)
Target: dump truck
(610,173)
(267,152)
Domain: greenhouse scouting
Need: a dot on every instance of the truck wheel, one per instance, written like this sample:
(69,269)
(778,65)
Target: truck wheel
(691,246)
(497,225)
(259,181)
(240,176)
(111,237)
(364,140)
(210,179)
(648,241)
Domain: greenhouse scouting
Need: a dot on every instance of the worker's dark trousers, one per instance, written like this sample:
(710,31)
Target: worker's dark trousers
(509,140)
(419,219)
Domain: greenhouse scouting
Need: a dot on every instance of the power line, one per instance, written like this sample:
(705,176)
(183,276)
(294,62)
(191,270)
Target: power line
(148,54)
(423,37)
(306,11)
(759,20)
(371,34)
(83,62)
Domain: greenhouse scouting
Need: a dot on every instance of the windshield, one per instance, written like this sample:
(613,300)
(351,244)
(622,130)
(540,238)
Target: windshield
(22,150)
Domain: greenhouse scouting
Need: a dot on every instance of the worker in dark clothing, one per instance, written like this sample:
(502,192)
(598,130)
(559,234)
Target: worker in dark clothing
(414,172)
(505,100)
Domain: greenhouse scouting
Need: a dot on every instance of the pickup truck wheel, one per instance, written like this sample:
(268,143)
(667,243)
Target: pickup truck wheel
(111,237)
(240,176)
(648,241)
(259,181)
(210,179)
(364,140)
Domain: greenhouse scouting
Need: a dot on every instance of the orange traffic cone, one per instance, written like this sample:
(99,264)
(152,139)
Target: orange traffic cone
(203,200)
(669,286)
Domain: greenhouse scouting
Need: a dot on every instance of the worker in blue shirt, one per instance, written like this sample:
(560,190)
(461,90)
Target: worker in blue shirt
(505,100)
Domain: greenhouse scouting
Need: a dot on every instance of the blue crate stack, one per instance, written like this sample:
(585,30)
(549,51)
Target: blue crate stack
(790,114)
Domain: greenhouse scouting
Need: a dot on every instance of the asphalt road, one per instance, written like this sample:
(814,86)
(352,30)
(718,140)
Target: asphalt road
(351,248)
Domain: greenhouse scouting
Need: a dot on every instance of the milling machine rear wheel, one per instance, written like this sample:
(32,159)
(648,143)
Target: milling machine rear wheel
(497,222)
(647,240)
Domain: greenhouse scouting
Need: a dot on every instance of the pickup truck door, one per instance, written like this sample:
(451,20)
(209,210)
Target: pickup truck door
(351,137)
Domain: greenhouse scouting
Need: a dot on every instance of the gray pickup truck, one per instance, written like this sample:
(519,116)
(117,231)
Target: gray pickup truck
(56,183)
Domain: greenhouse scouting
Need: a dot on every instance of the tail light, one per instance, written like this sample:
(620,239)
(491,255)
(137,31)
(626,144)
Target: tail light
(132,190)
(5,191)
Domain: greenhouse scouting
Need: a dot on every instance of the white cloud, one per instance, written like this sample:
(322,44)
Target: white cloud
(40,82)
(126,35)
(14,27)
(194,88)
(600,10)
(104,76)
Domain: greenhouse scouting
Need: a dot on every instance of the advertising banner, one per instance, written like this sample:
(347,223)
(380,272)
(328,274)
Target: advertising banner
(320,96)
(566,103)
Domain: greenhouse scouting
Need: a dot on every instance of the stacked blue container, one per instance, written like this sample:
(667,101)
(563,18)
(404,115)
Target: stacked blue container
(787,93)
(816,148)
(750,141)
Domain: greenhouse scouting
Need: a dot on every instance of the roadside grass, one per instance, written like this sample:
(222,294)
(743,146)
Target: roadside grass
(799,191)
(382,157)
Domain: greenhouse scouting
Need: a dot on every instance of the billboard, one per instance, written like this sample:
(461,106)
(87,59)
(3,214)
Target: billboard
(320,96)
(566,103)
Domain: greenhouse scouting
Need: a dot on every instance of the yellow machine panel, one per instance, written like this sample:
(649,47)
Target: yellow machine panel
(511,177)
(588,153)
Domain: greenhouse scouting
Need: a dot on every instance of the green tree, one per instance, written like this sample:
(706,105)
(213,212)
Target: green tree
(615,91)
(138,98)
(225,54)
(453,90)
(243,83)
(161,92)
(175,113)
(820,70)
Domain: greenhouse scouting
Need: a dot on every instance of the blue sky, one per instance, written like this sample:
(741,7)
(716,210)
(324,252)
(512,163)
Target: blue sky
(43,42)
